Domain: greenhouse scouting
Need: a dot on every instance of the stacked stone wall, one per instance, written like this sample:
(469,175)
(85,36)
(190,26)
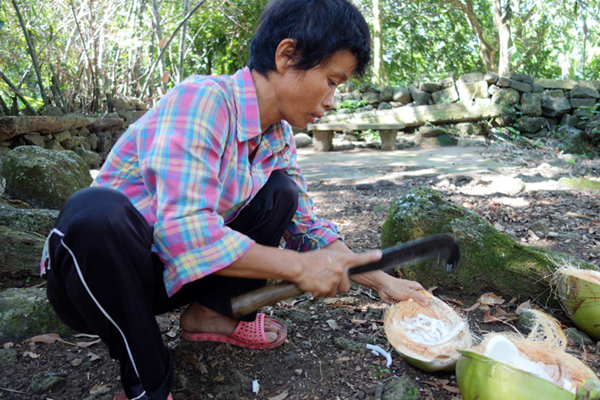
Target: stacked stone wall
(533,105)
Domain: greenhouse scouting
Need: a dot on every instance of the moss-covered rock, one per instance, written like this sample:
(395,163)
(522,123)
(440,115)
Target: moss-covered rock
(44,178)
(20,253)
(490,260)
(580,184)
(39,221)
(25,313)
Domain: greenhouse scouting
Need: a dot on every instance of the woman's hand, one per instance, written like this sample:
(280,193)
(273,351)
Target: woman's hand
(324,272)
(394,289)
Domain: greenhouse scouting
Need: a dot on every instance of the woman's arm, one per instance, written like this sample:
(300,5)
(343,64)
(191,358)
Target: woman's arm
(390,289)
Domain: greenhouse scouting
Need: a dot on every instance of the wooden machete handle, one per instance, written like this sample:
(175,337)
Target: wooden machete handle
(249,302)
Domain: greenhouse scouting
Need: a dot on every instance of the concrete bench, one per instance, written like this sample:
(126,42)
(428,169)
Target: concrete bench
(323,133)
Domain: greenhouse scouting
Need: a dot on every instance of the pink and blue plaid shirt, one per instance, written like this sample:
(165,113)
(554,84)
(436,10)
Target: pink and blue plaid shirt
(185,167)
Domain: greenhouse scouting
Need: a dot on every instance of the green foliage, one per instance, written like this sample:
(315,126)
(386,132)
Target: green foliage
(370,135)
(99,50)
(352,105)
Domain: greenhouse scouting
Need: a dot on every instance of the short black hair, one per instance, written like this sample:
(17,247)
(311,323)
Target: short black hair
(319,28)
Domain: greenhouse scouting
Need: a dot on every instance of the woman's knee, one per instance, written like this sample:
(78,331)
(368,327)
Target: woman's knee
(99,211)
(285,189)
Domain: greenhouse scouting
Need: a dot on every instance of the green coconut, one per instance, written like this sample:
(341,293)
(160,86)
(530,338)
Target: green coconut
(440,355)
(481,377)
(579,294)
(509,366)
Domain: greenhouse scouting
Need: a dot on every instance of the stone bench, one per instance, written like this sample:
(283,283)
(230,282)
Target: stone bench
(323,133)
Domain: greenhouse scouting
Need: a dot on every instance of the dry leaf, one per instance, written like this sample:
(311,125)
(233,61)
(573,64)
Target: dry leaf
(280,396)
(190,360)
(93,357)
(85,345)
(99,390)
(523,306)
(333,324)
(430,383)
(473,307)
(219,379)
(358,321)
(8,345)
(202,368)
(48,338)
(165,76)
(490,299)
(172,332)
(449,300)
(163,42)
(451,389)
(31,354)
(490,319)
(577,215)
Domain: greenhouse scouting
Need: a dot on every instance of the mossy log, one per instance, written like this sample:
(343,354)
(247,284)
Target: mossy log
(490,260)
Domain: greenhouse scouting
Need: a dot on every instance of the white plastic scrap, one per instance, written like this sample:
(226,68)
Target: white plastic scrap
(255,386)
(378,350)
(430,331)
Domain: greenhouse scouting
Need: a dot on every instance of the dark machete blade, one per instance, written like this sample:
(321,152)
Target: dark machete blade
(441,247)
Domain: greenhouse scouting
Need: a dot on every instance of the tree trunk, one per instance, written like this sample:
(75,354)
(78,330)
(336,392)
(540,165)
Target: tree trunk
(186,10)
(31,53)
(159,37)
(378,67)
(502,16)
(486,52)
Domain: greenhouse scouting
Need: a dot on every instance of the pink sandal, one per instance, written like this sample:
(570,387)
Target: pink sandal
(250,335)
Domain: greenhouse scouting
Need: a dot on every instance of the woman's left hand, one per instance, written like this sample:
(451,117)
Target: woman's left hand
(392,289)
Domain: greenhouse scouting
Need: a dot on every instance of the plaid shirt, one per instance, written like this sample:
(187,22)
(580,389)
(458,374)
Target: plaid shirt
(185,167)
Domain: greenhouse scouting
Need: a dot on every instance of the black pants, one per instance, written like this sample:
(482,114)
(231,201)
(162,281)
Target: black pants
(104,279)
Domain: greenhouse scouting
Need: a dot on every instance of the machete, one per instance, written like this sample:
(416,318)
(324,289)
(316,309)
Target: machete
(440,247)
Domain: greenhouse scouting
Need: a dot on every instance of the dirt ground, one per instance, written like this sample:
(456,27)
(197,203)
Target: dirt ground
(325,355)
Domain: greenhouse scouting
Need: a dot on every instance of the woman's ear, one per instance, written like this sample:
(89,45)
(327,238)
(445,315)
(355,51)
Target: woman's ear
(285,55)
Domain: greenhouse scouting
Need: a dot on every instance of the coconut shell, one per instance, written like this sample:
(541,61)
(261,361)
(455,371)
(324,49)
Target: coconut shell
(579,294)
(440,357)
(480,377)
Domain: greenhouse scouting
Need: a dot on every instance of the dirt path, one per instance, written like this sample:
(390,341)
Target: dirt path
(325,356)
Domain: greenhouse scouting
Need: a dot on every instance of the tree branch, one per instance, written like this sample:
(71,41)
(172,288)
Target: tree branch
(31,53)
(162,51)
(14,89)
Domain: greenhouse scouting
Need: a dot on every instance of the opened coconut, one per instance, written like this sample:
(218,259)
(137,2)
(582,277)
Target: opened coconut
(510,366)
(579,294)
(427,337)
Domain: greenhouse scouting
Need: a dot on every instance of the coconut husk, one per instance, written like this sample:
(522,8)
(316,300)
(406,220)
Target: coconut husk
(547,344)
(585,274)
(441,356)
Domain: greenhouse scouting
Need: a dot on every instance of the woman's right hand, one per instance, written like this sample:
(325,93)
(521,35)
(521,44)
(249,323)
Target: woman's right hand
(324,272)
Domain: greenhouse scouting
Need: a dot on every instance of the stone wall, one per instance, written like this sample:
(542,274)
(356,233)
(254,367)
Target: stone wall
(90,137)
(533,105)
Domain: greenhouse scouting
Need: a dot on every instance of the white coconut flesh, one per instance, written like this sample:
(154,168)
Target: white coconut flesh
(430,331)
(429,334)
(503,350)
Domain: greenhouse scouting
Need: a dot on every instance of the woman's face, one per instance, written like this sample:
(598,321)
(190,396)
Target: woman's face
(303,96)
